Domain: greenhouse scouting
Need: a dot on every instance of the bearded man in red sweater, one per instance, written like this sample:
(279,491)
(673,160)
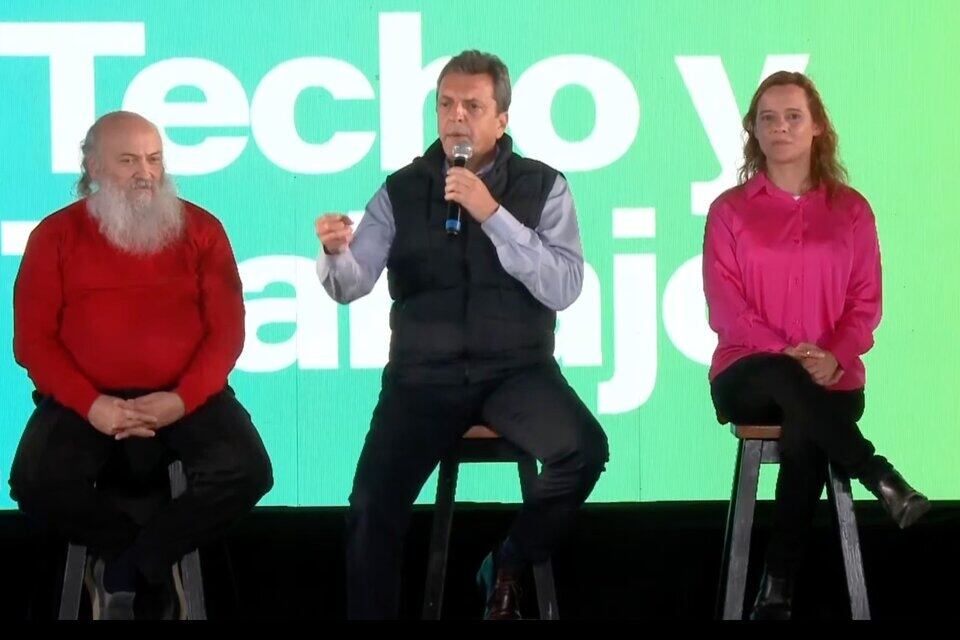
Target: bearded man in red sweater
(128,316)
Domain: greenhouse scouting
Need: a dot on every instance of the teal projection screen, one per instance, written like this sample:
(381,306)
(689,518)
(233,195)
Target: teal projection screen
(273,113)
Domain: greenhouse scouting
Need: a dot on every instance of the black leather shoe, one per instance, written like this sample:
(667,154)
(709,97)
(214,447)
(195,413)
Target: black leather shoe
(905,504)
(501,590)
(775,600)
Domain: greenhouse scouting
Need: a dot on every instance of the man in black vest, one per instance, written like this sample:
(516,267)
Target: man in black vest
(472,339)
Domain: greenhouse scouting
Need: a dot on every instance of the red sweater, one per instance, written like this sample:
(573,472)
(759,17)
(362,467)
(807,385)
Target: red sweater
(89,318)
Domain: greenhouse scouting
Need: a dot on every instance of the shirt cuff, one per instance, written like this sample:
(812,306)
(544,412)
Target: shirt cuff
(326,261)
(842,351)
(323,264)
(80,399)
(192,397)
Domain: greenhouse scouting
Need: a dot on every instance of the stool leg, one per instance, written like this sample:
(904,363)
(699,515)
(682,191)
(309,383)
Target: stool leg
(192,580)
(178,480)
(73,574)
(189,566)
(839,489)
(546,590)
(542,571)
(440,538)
(736,554)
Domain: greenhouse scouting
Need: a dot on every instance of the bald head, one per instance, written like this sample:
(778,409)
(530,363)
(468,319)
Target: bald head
(123,147)
(135,203)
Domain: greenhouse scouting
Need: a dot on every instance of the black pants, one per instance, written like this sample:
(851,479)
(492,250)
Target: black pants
(61,455)
(413,426)
(817,426)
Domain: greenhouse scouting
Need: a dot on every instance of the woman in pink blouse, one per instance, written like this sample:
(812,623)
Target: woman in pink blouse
(791,272)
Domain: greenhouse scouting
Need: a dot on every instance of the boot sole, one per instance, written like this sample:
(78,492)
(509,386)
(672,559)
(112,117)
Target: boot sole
(914,510)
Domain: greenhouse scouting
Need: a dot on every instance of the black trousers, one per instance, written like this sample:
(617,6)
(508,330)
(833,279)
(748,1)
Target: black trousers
(817,426)
(414,425)
(60,456)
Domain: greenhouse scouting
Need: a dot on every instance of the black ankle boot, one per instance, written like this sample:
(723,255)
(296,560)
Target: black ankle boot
(775,599)
(905,504)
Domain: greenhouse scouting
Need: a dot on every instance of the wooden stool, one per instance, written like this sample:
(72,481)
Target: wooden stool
(479,444)
(759,445)
(189,566)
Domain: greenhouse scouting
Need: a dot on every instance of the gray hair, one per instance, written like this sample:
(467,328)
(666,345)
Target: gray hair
(90,148)
(472,62)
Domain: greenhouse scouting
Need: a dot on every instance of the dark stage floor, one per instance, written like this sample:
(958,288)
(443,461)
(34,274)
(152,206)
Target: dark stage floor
(623,561)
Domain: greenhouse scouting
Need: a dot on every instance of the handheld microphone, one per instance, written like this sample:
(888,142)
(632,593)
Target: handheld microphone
(462,151)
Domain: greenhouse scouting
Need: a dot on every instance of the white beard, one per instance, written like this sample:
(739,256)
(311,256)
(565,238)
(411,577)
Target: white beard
(138,224)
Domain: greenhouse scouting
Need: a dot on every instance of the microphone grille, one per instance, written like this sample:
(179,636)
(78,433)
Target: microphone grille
(463,150)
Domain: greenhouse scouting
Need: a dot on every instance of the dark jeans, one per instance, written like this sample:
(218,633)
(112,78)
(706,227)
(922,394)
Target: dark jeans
(414,425)
(817,426)
(61,455)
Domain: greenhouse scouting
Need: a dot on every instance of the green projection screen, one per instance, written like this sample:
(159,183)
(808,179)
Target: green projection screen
(273,113)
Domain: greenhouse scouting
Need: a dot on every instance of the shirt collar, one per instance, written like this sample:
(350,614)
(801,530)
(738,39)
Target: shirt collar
(760,183)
